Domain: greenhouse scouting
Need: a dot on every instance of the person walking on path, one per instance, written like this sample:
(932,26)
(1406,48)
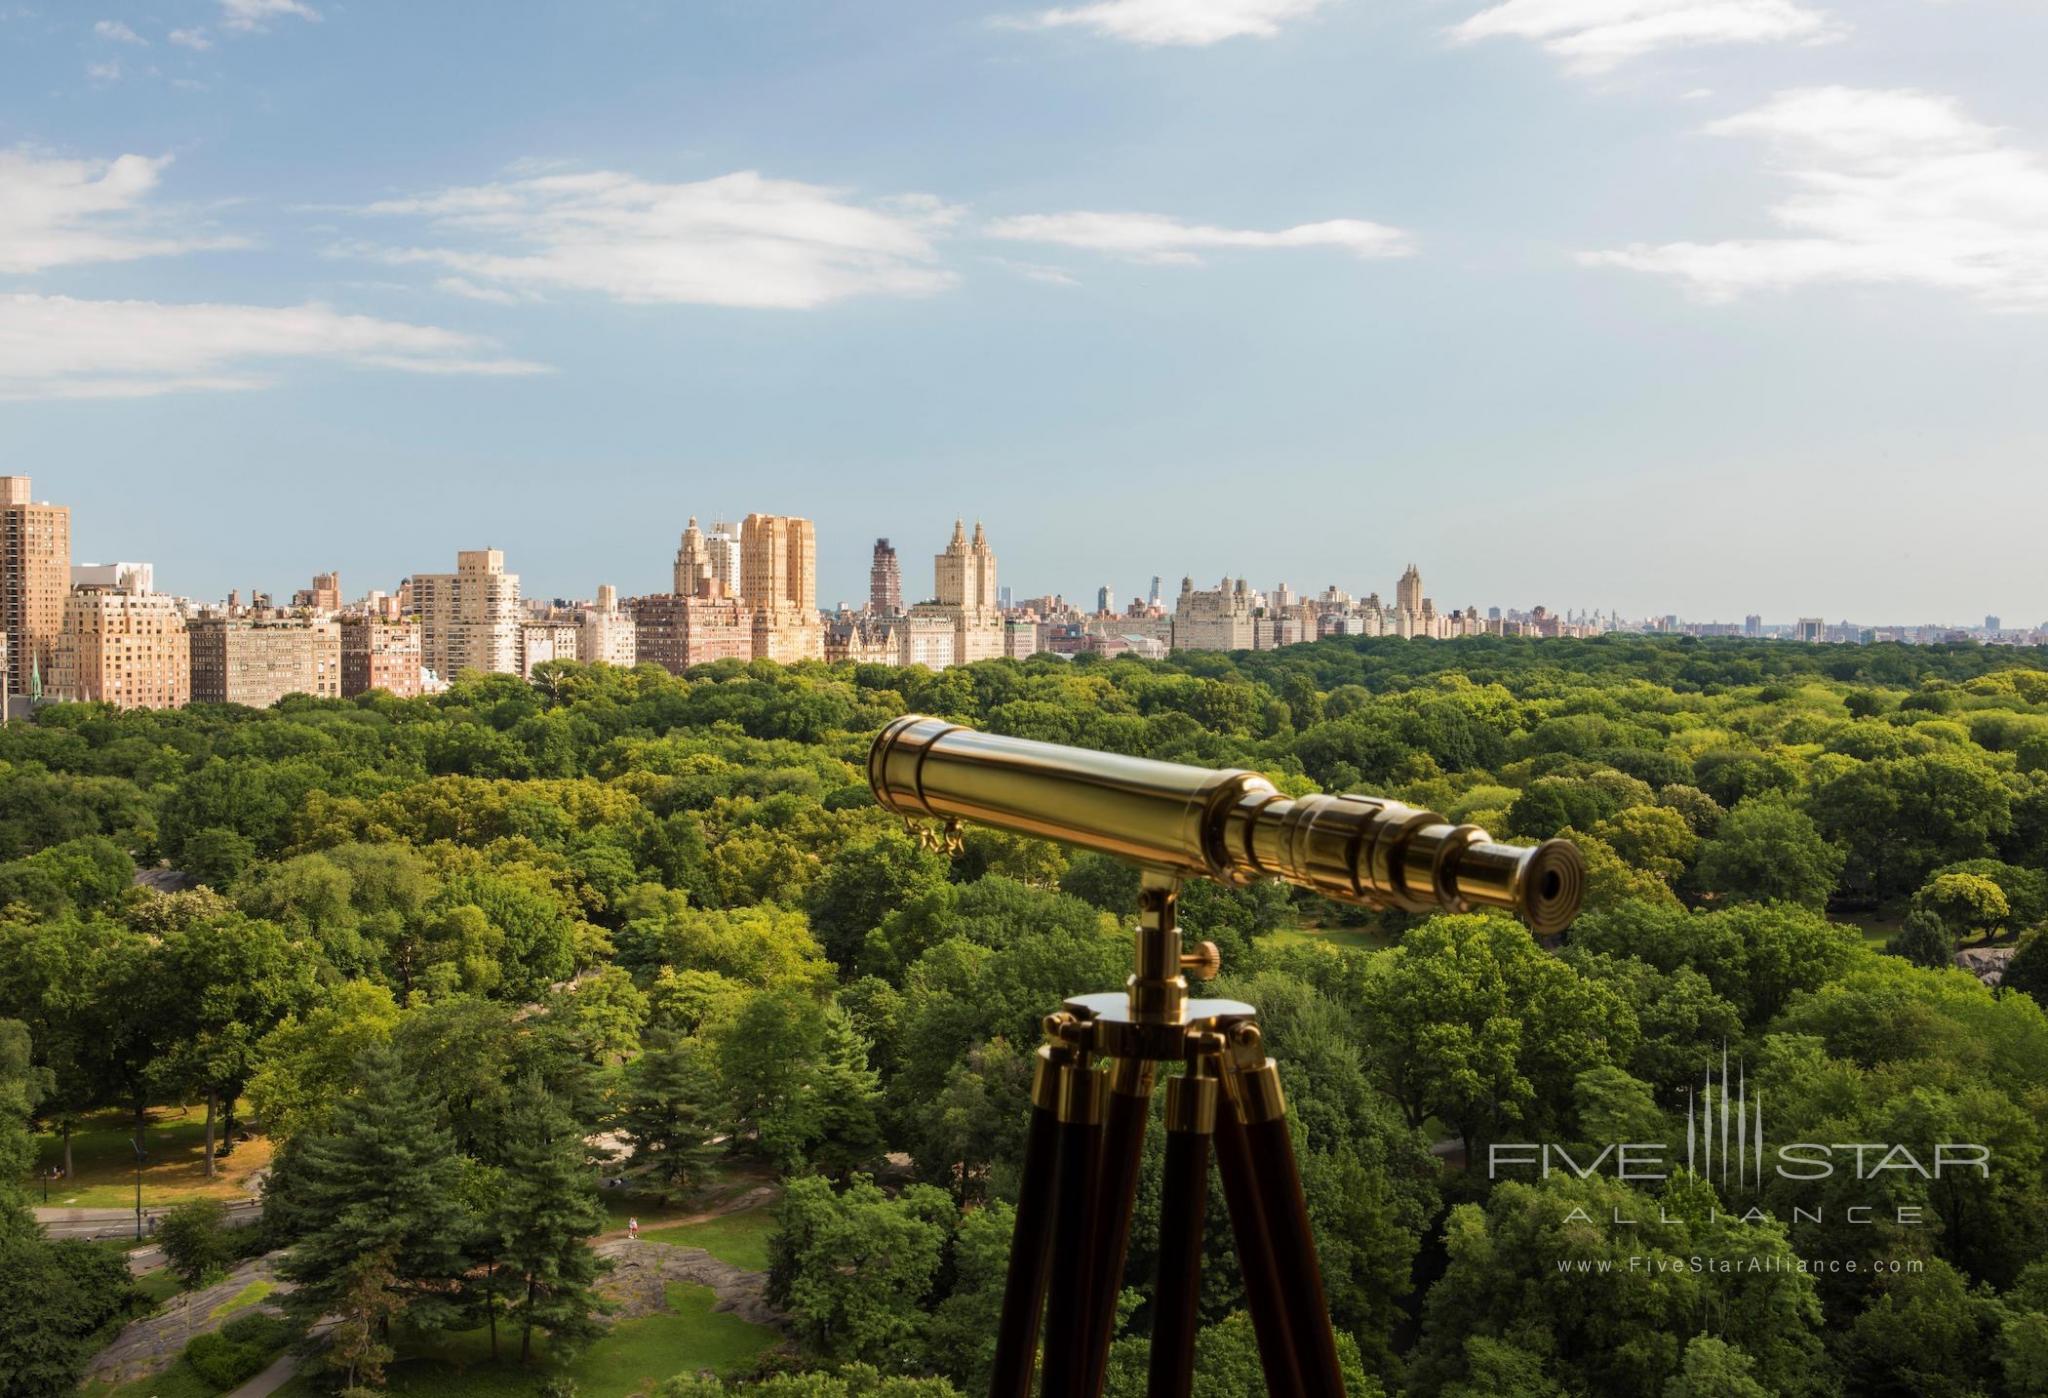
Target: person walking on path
(633,1229)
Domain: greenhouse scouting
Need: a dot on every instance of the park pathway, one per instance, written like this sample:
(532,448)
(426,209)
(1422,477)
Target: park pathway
(270,1380)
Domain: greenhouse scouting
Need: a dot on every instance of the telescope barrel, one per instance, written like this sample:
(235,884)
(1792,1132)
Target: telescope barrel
(1229,825)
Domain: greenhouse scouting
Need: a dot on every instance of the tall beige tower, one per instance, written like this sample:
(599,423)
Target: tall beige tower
(35,580)
(469,619)
(1408,592)
(694,574)
(779,586)
(964,583)
(779,562)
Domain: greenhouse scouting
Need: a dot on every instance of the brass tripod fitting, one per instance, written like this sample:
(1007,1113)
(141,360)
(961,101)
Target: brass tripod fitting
(1191,1104)
(1131,1077)
(1080,1095)
(1158,991)
(1252,1079)
(1045,1074)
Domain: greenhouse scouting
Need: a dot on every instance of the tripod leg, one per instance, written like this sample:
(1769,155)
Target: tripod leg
(1031,1242)
(1123,1153)
(1299,1273)
(1255,1265)
(1074,1245)
(1190,1120)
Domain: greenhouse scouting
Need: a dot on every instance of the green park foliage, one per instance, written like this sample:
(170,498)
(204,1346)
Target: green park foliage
(446,952)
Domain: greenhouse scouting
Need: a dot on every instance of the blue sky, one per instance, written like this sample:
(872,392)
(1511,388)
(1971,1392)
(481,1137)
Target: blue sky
(1707,306)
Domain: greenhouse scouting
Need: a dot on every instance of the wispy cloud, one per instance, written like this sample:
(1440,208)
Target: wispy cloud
(191,39)
(58,347)
(1593,36)
(1888,186)
(1158,238)
(737,240)
(107,72)
(118,32)
(256,14)
(1193,23)
(56,212)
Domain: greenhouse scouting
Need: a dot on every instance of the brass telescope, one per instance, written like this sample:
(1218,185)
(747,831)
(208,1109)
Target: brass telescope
(1083,1151)
(1230,825)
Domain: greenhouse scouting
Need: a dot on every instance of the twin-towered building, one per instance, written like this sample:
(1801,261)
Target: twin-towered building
(962,622)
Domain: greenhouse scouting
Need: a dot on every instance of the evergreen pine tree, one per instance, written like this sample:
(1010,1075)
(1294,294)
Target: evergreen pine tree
(549,1211)
(1924,940)
(848,1094)
(384,1181)
(671,1110)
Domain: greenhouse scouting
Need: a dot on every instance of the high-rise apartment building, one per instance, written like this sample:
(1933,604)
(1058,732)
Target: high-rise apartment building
(885,582)
(124,647)
(964,582)
(35,582)
(604,634)
(377,653)
(257,661)
(779,584)
(1218,620)
(469,619)
(545,639)
(723,550)
(1408,592)
(325,594)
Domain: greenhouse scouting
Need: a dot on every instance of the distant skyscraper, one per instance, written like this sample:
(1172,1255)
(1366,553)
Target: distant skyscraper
(965,574)
(1408,592)
(722,550)
(694,574)
(35,580)
(1991,624)
(326,592)
(885,581)
(122,646)
(469,619)
(1105,600)
(779,584)
(1753,625)
(1155,598)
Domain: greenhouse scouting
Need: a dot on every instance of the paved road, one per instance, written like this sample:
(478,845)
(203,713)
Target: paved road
(270,1380)
(120,1223)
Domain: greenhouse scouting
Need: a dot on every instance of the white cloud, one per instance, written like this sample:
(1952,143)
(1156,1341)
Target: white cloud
(58,347)
(191,39)
(1897,186)
(462,286)
(254,14)
(736,240)
(56,213)
(1157,238)
(1037,271)
(1593,36)
(118,32)
(1188,22)
(108,72)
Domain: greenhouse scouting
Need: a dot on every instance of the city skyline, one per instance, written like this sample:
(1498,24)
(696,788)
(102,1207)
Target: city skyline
(1572,307)
(1404,592)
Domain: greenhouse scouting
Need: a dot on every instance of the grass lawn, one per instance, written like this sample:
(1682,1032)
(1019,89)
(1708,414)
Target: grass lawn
(1349,938)
(178,1381)
(741,1239)
(103,1161)
(633,1357)
(248,1296)
(159,1286)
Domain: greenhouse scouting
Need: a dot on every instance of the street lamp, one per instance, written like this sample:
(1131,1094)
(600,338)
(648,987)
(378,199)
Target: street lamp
(140,1156)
